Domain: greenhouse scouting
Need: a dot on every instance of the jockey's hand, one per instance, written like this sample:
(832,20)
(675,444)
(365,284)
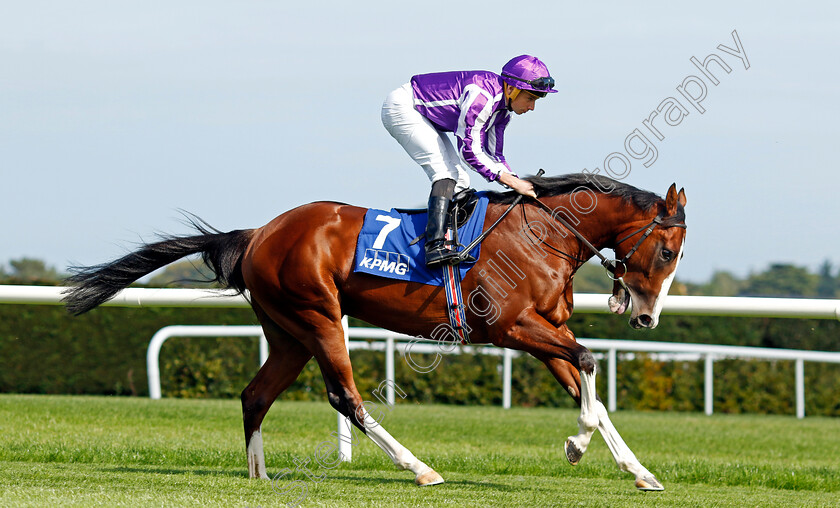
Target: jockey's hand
(523,187)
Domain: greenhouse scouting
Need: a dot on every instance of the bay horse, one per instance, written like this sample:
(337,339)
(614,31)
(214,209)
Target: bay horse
(298,270)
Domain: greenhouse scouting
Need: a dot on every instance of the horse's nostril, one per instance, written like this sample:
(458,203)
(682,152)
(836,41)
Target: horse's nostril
(645,320)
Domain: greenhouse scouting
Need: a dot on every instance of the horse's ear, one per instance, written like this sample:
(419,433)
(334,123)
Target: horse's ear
(681,197)
(671,200)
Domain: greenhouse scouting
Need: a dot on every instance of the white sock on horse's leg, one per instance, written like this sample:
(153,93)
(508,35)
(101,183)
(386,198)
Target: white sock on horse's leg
(588,419)
(399,454)
(256,456)
(624,457)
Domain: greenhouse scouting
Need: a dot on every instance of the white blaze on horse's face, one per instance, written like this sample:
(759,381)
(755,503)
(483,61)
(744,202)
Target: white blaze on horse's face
(663,291)
(647,305)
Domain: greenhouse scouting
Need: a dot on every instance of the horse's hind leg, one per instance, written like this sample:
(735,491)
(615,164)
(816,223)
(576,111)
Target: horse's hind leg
(424,475)
(334,361)
(323,334)
(286,359)
(626,460)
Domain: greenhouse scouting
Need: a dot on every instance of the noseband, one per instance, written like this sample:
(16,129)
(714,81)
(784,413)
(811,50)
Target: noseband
(611,265)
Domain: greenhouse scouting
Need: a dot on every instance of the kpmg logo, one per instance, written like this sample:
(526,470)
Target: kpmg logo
(384,261)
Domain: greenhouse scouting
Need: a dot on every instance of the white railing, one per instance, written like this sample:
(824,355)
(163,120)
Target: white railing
(167,332)
(391,343)
(131,297)
(584,302)
(405,344)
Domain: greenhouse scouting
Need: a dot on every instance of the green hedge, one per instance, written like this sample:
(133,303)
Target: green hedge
(43,350)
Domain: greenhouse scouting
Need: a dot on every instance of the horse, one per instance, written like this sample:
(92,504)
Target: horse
(298,272)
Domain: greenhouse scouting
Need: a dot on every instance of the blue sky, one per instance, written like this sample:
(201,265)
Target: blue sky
(113,115)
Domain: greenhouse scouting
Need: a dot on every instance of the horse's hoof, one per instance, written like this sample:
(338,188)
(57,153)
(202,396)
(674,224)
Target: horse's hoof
(428,479)
(573,454)
(649,483)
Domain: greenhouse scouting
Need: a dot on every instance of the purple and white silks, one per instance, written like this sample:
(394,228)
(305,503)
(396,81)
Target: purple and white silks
(470,104)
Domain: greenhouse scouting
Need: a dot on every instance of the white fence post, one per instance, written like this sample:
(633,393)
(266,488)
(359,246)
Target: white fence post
(389,370)
(152,364)
(507,377)
(708,385)
(611,379)
(800,388)
(263,349)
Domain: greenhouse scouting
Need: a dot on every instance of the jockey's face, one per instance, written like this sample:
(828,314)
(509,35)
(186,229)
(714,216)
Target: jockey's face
(523,102)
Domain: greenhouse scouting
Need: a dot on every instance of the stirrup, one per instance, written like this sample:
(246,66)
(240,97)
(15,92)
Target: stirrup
(442,256)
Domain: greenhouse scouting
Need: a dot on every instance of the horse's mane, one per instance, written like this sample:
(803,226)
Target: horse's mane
(566,184)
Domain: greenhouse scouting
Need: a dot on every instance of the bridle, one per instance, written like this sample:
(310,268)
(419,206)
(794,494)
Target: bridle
(611,265)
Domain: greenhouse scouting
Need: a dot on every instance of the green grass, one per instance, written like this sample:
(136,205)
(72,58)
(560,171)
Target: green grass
(100,451)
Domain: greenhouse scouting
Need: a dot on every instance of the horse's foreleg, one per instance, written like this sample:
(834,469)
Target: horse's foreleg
(555,346)
(588,420)
(625,459)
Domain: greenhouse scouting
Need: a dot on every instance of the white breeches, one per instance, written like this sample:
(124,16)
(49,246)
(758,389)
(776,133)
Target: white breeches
(428,146)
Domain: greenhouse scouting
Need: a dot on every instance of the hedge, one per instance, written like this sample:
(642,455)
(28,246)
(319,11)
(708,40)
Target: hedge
(44,350)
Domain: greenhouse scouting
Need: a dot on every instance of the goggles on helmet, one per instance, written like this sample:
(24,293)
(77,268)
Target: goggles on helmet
(543,83)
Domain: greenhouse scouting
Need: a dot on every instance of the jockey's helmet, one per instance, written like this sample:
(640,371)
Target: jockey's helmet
(526,72)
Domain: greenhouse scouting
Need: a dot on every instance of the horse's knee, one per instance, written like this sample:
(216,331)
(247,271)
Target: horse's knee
(586,361)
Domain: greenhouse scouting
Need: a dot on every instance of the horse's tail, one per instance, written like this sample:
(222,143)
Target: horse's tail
(222,252)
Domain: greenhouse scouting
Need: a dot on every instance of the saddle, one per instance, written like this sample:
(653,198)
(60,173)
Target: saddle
(388,255)
(461,209)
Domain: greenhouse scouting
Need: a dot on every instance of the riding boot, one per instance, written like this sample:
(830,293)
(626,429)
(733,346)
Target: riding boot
(436,252)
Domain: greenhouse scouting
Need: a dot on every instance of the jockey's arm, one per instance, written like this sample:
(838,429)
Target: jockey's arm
(473,135)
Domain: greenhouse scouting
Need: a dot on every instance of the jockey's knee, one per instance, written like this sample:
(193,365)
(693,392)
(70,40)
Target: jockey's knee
(443,188)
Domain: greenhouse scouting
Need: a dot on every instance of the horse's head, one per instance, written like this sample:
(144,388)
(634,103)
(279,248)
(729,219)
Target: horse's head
(650,256)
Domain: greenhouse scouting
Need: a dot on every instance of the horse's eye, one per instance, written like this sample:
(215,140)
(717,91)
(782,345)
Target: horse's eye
(667,255)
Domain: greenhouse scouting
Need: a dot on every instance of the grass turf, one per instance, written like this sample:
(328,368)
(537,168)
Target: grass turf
(101,451)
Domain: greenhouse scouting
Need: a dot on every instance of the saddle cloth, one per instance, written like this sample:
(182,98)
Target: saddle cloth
(383,247)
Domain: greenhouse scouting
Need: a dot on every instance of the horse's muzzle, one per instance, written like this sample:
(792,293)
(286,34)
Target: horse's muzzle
(641,321)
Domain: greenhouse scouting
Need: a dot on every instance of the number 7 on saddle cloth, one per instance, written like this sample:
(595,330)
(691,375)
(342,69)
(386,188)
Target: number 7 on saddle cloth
(383,247)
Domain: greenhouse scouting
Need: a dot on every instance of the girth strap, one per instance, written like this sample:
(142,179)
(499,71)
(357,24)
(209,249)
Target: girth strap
(454,299)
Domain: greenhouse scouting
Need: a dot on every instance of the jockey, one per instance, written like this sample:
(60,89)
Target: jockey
(475,106)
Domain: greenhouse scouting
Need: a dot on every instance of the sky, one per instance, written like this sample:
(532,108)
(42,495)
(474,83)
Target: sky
(115,115)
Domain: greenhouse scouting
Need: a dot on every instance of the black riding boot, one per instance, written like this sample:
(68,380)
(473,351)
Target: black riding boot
(436,252)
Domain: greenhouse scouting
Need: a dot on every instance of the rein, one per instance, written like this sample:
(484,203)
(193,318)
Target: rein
(611,265)
(462,255)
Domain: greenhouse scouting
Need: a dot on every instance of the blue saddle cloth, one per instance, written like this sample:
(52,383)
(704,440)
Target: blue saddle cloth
(383,246)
